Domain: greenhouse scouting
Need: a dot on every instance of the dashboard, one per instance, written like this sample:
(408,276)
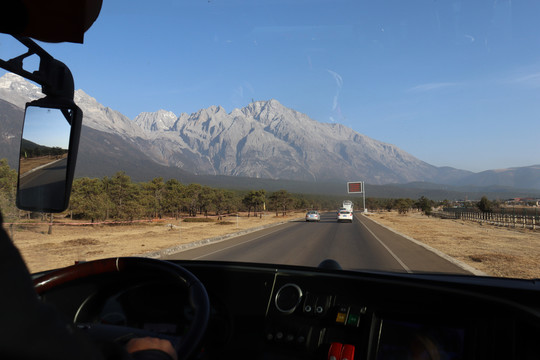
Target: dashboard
(288,312)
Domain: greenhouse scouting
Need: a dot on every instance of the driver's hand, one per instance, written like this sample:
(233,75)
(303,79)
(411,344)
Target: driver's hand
(151,343)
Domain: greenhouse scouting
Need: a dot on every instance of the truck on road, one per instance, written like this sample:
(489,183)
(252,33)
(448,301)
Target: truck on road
(348,205)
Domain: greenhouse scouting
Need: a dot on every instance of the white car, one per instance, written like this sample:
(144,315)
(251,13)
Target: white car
(313,216)
(345,215)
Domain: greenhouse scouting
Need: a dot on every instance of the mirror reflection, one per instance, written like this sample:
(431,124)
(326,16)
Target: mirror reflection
(43,159)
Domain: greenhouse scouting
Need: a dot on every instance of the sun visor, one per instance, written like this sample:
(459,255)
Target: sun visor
(50,21)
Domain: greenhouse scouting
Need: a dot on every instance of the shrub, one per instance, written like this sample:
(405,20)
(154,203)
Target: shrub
(485,205)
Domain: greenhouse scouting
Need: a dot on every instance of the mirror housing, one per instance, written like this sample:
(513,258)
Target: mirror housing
(49,146)
(46,187)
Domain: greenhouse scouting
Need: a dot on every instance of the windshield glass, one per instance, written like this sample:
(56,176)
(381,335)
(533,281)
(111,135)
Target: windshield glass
(203,119)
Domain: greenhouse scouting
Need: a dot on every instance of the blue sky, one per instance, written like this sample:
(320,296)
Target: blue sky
(454,83)
(46,127)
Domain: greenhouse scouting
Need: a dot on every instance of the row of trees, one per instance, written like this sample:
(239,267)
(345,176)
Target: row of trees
(426,205)
(118,197)
(30,149)
(43,151)
(403,205)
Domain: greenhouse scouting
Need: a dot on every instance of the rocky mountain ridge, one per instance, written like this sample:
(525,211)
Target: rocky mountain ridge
(266,139)
(261,140)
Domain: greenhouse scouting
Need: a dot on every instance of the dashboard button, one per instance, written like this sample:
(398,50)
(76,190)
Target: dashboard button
(341,317)
(353,319)
(347,352)
(334,353)
(309,303)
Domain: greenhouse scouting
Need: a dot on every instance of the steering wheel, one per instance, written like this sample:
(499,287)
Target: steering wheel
(198,296)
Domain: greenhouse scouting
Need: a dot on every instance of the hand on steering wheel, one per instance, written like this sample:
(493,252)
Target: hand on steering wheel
(150,344)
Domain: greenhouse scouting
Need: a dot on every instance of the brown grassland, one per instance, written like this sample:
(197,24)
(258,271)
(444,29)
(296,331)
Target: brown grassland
(68,244)
(497,251)
(504,252)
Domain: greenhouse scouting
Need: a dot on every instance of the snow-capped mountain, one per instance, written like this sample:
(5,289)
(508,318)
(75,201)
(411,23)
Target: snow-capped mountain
(263,140)
(105,119)
(16,90)
(268,140)
(158,121)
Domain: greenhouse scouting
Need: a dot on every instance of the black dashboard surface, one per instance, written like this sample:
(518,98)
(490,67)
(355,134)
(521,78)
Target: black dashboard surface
(286,312)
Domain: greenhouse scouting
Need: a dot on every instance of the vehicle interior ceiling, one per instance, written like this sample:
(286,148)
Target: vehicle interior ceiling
(268,311)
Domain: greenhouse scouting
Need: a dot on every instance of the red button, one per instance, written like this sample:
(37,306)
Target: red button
(347,352)
(335,351)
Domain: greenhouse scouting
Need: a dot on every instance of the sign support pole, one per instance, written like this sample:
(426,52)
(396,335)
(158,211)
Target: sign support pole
(364,196)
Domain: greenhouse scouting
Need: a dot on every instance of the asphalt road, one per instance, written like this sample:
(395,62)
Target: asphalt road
(47,174)
(44,187)
(362,244)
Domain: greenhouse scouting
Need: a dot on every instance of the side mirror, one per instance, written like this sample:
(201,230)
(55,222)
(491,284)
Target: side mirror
(49,145)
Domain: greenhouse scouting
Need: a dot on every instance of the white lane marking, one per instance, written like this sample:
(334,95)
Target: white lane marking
(387,249)
(229,247)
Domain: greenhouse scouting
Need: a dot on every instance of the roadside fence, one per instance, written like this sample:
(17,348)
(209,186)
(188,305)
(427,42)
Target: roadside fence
(523,220)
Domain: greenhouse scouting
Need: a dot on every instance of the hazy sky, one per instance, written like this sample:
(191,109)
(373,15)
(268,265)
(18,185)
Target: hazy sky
(454,83)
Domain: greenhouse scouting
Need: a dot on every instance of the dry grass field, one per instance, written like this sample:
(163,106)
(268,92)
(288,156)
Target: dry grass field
(497,251)
(68,244)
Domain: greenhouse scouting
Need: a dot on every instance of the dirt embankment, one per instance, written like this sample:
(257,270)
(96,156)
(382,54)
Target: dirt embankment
(497,251)
(68,244)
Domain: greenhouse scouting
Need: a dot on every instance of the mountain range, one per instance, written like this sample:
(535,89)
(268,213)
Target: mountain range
(263,140)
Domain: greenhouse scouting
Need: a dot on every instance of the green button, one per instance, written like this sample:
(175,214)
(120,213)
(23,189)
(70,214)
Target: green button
(353,319)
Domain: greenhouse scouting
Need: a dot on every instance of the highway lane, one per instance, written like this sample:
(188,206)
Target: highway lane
(44,185)
(362,244)
(44,175)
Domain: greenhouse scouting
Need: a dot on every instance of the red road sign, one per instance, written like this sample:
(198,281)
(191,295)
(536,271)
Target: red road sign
(355,187)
